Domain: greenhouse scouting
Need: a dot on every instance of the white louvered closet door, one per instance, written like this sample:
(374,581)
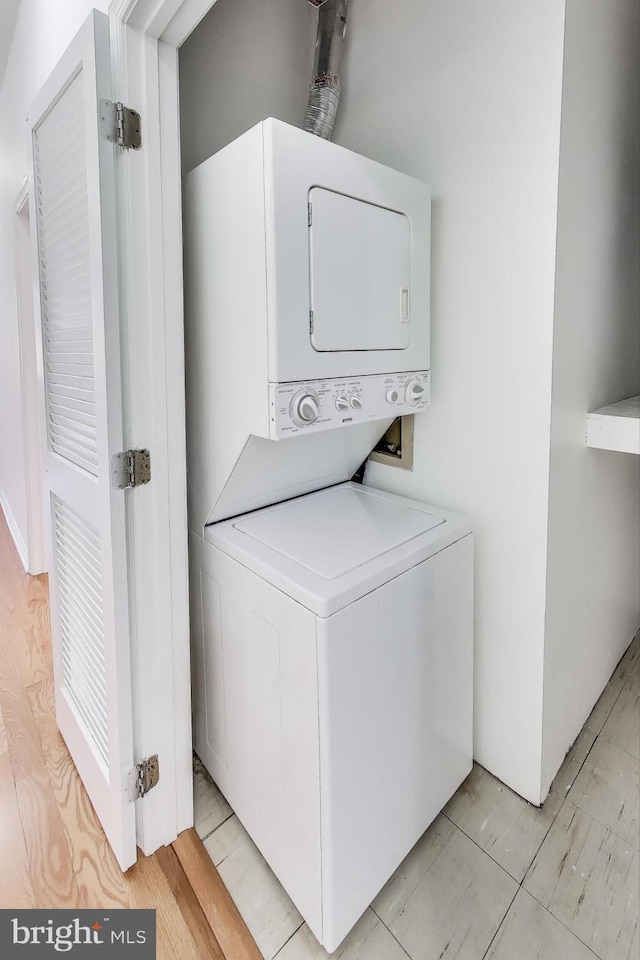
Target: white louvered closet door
(73,196)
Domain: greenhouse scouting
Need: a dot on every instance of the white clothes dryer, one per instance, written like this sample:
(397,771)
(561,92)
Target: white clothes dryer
(307,316)
(333,663)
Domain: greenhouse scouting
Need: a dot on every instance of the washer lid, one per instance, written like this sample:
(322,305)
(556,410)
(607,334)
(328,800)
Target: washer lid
(327,549)
(337,530)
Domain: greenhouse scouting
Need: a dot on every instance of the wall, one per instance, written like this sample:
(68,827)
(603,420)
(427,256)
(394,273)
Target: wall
(467,97)
(594,510)
(43,30)
(8,17)
(247,60)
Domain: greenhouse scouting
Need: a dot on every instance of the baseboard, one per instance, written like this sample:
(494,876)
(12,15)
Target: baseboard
(14,530)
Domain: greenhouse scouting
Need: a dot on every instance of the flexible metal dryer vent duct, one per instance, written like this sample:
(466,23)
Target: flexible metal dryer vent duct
(324,93)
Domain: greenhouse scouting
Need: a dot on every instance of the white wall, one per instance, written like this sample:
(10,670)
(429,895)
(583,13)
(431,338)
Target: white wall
(8,17)
(43,30)
(594,512)
(247,60)
(467,97)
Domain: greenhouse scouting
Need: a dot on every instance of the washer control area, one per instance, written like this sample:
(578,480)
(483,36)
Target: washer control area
(315,405)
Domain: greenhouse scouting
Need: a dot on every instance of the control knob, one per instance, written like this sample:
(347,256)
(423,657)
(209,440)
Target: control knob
(305,409)
(414,392)
(355,401)
(392,396)
(342,403)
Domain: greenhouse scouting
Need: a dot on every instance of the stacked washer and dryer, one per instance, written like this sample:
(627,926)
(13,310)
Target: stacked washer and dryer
(331,622)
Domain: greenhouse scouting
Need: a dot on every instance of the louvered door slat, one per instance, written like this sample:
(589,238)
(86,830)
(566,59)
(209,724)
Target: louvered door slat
(64,410)
(95,665)
(74,195)
(72,394)
(79,623)
(97,718)
(78,551)
(91,600)
(63,238)
(71,284)
(74,435)
(80,370)
(64,244)
(81,698)
(77,301)
(78,459)
(73,348)
(83,620)
(72,328)
(60,215)
(79,571)
(52,153)
(62,423)
(75,387)
(86,693)
(63,415)
(69,355)
(66,402)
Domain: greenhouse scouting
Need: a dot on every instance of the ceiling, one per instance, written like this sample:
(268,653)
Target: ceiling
(8,16)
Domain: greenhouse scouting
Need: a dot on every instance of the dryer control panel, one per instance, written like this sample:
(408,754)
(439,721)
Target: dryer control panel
(312,405)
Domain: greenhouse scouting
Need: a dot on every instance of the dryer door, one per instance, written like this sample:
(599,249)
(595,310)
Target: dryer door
(360,272)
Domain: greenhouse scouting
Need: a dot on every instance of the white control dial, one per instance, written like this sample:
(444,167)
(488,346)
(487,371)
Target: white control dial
(305,409)
(414,391)
(392,396)
(342,403)
(355,401)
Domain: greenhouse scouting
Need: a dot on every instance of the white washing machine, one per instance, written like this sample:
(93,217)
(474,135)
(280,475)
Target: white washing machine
(333,685)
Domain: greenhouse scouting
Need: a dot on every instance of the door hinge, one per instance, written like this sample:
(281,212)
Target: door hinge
(143,778)
(310,321)
(309,214)
(131,468)
(120,124)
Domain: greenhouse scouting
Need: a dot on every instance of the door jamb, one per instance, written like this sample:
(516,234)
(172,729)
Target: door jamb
(32,395)
(145,36)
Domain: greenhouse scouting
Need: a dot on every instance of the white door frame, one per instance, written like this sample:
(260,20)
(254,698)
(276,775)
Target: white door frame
(145,36)
(34,559)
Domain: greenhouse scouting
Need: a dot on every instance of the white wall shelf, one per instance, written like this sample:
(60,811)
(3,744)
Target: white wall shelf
(616,426)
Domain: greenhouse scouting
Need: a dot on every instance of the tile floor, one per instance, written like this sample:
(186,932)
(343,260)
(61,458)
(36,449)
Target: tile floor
(493,877)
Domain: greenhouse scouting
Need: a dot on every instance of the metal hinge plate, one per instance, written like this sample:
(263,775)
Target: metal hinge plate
(310,321)
(143,778)
(120,124)
(309,214)
(131,468)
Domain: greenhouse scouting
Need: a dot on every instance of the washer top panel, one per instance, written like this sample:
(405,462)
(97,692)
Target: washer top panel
(329,548)
(337,531)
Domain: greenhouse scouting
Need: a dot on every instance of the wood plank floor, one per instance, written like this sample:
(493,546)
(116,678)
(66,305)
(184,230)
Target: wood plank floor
(52,848)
